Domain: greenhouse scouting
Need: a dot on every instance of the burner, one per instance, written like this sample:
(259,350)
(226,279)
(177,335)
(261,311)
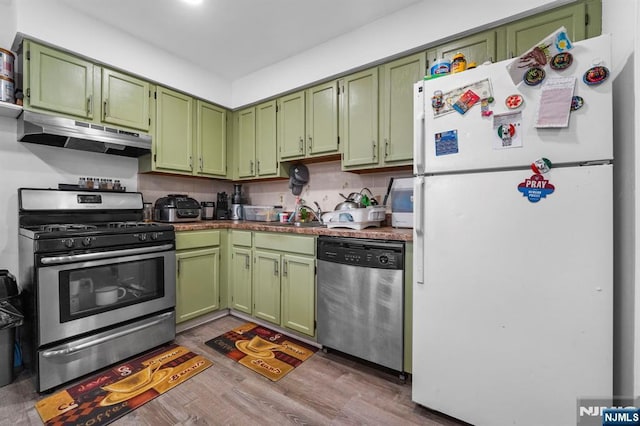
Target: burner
(66,227)
(128,224)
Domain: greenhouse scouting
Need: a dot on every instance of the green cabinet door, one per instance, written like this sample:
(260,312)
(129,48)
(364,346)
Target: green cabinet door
(266,140)
(246,133)
(524,34)
(56,81)
(266,286)
(197,286)
(477,48)
(211,139)
(322,119)
(173,137)
(359,119)
(298,293)
(241,279)
(125,100)
(291,123)
(398,78)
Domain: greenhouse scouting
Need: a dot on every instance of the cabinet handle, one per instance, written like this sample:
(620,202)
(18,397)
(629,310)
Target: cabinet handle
(251,166)
(178,268)
(310,140)
(284,268)
(90,105)
(301,144)
(191,162)
(258,166)
(373,150)
(275,268)
(246,262)
(106,105)
(201,165)
(386,147)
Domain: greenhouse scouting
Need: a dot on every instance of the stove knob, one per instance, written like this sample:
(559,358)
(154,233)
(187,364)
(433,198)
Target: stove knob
(69,243)
(142,237)
(154,235)
(86,241)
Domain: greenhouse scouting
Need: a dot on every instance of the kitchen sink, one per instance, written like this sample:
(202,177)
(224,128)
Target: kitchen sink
(313,224)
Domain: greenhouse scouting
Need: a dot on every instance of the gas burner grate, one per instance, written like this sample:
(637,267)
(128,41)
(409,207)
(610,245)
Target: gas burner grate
(56,227)
(129,224)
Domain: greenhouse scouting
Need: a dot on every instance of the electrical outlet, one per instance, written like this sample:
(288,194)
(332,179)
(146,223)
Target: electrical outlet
(281,199)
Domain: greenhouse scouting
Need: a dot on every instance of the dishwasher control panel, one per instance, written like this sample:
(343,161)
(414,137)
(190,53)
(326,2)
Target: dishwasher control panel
(362,252)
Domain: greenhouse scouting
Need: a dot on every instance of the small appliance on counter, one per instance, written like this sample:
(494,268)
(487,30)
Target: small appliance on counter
(402,203)
(237,202)
(176,208)
(207,210)
(222,212)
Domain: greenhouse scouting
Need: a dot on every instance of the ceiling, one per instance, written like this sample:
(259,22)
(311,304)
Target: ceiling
(234,38)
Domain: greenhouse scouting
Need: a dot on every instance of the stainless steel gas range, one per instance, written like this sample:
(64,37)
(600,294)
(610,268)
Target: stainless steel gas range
(98,283)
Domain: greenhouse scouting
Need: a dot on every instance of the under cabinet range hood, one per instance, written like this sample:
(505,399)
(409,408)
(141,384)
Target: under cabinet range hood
(50,130)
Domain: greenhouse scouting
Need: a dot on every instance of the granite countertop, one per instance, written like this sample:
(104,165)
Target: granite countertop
(381,233)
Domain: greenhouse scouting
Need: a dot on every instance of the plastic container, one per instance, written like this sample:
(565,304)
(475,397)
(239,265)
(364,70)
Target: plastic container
(261,213)
(458,63)
(441,66)
(7,60)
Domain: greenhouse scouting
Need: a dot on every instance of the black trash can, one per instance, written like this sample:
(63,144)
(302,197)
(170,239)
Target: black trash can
(10,319)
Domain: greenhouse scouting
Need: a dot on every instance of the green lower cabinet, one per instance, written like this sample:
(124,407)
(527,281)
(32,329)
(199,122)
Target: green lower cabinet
(266,286)
(198,283)
(241,279)
(298,293)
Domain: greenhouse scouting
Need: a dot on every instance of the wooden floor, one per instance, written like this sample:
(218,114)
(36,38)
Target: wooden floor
(327,389)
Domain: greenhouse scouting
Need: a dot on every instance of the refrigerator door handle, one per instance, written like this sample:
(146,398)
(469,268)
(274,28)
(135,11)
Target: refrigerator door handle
(418,230)
(418,129)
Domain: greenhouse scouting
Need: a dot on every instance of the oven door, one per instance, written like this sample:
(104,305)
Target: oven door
(82,293)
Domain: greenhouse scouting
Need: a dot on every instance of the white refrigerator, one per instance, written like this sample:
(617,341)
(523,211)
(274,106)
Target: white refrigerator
(513,270)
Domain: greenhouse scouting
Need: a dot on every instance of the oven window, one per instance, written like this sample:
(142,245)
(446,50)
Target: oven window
(88,291)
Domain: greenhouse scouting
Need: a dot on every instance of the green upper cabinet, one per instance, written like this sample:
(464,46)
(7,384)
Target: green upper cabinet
(322,119)
(211,140)
(298,293)
(266,140)
(396,106)
(291,126)
(125,100)
(479,48)
(61,83)
(173,136)
(246,131)
(524,34)
(359,119)
(57,82)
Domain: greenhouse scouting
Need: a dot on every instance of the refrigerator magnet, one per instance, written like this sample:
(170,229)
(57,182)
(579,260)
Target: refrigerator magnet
(484,107)
(595,75)
(536,188)
(561,61)
(533,76)
(466,101)
(505,127)
(577,102)
(446,142)
(514,101)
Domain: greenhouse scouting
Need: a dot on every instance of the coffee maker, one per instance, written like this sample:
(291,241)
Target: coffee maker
(222,212)
(237,200)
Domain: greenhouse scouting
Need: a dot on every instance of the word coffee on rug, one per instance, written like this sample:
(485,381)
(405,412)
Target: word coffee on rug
(262,350)
(112,393)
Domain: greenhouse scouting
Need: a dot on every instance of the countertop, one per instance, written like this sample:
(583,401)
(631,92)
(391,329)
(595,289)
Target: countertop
(381,233)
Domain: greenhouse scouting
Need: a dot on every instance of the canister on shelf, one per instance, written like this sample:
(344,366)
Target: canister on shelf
(7,60)
(458,63)
(6,89)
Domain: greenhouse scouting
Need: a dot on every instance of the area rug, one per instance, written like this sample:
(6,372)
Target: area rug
(262,350)
(109,395)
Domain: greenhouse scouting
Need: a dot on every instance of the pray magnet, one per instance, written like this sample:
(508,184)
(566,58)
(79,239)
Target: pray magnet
(536,188)
(541,165)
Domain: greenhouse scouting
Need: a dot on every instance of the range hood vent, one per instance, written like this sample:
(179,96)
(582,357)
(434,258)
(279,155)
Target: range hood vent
(50,130)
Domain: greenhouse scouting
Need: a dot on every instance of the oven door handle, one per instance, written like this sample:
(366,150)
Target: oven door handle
(103,255)
(82,346)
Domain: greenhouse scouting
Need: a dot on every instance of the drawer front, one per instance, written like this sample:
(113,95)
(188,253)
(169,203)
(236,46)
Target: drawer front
(241,238)
(283,242)
(195,239)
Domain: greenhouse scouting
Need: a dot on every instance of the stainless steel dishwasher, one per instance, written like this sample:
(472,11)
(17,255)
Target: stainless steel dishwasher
(361,299)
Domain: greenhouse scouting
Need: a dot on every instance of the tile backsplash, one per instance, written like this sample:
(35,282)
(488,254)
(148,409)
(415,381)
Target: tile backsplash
(326,182)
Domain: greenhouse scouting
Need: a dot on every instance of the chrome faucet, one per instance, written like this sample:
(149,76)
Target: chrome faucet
(316,213)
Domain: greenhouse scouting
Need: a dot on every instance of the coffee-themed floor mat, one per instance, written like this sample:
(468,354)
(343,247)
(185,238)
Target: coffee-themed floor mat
(262,350)
(112,393)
